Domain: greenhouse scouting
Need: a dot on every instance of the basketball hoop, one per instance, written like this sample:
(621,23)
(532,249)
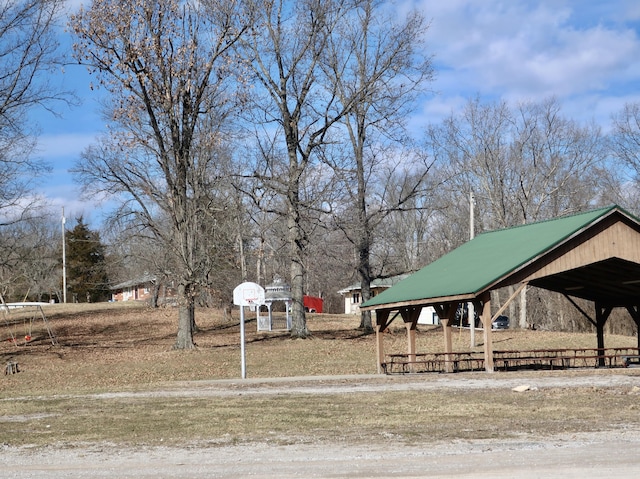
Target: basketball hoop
(246,294)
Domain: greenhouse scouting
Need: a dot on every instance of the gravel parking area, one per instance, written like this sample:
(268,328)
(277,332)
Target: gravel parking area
(601,454)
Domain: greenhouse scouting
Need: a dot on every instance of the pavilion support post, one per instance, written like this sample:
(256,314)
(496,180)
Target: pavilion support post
(448,340)
(411,345)
(447,314)
(382,318)
(485,308)
(410,317)
(448,348)
(602,315)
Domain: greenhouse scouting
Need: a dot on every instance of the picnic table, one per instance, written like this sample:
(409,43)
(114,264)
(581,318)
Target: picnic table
(558,358)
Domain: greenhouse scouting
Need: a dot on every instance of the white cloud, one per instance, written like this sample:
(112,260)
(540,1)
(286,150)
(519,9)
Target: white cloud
(529,50)
(68,146)
(61,151)
(68,197)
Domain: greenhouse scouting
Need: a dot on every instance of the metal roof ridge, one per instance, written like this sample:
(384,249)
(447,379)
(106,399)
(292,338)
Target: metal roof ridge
(602,212)
(560,218)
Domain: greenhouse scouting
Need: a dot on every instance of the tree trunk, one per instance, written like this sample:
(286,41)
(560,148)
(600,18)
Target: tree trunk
(184,339)
(523,309)
(260,262)
(243,259)
(364,268)
(364,227)
(298,318)
(155,294)
(297,270)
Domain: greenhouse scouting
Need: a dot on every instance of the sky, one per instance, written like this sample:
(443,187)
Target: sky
(585,53)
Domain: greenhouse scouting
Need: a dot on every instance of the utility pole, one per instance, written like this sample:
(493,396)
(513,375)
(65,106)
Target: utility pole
(470,308)
(64,260)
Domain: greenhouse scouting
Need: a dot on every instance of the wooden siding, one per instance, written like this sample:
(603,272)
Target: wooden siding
(618,240)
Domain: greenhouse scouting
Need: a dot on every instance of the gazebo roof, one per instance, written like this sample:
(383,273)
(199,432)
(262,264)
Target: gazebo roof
(503,257)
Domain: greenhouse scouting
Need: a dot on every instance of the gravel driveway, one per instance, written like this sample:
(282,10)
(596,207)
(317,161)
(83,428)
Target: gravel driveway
(602,454)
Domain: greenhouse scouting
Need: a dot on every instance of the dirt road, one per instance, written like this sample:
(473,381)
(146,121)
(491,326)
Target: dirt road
(601,455)
(604,454)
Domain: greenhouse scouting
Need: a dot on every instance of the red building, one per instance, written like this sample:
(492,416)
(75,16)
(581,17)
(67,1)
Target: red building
(313,304)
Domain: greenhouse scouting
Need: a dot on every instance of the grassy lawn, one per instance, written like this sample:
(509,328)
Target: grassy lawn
(68,394)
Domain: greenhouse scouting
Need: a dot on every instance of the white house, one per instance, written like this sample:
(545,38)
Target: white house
(353,298)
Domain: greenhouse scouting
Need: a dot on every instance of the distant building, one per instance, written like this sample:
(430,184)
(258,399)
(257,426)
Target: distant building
(313,304)
(141,289)
(353,298)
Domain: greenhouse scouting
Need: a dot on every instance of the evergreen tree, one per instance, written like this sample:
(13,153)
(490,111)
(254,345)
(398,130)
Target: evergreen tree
(87,279)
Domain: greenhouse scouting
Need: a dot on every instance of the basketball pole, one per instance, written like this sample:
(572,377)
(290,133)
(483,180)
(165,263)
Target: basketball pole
(246,294)
(243,362)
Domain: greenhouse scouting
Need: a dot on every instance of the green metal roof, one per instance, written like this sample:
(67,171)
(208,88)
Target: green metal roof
(480,263)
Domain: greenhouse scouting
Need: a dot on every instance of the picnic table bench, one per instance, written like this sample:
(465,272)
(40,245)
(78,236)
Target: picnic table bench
(401,363)
(563,358)
(435,362)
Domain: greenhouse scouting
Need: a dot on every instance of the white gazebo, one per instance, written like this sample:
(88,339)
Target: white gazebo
(275,292)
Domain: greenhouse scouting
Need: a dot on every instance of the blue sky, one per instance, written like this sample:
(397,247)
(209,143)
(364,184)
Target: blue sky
(585,53)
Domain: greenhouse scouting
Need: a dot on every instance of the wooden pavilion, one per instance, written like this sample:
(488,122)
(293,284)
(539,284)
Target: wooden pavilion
(593,255)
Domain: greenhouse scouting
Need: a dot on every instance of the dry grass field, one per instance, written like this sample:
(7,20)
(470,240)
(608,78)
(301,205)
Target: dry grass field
(114,377)
(125,346)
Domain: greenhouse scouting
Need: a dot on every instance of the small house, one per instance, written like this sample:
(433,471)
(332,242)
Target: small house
(142,289)
(353,297)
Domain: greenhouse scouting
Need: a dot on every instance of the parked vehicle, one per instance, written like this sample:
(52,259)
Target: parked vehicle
(501,322)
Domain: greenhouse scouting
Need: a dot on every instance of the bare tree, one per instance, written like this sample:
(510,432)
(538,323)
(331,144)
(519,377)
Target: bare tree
(409,238)
(167,68)
(133,253)
(524,164)
(28,50)
(293,113)
(561,162)
(30,266)
(377,66)
(625,137)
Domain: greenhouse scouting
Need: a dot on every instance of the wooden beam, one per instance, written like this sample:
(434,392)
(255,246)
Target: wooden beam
(461,298)
(634,311)
(441,310)
(511,298)
(410,317)
(447,313)
(382,318)
(448,343)
(411,344)
(575,305)
(382,323)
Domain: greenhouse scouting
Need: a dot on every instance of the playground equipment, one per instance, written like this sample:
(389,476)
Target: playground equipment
(19,320)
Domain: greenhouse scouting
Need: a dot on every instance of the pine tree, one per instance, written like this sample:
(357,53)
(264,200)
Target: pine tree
(87,279)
